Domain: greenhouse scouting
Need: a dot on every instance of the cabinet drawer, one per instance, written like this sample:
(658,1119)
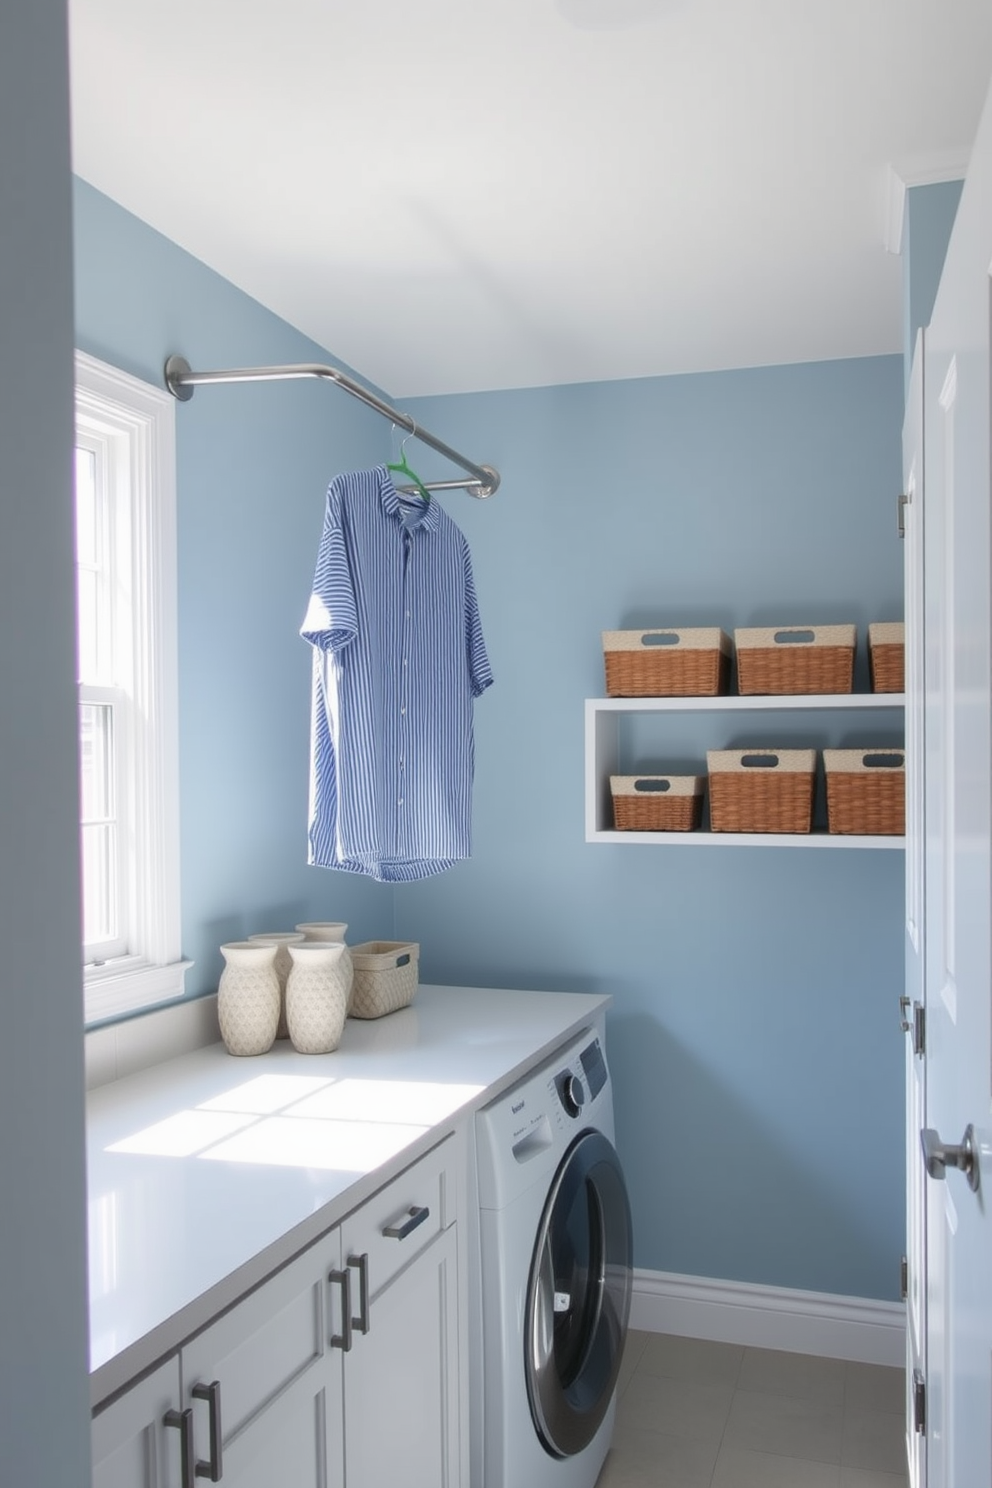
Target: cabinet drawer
(402,1218)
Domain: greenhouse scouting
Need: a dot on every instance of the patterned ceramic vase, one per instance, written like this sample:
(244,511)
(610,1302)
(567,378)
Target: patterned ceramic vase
(248,997)
(282,940)
(331,930)
(317,995)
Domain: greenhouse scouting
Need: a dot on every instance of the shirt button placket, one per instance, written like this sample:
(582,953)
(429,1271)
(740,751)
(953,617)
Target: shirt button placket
(402,815)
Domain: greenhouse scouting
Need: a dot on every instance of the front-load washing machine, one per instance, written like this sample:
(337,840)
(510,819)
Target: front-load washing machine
(556,1259)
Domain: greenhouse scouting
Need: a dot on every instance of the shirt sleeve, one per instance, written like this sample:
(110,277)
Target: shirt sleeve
(478,661)
(331,620)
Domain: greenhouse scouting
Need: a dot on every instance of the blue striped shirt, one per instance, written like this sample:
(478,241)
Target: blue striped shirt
(398,657)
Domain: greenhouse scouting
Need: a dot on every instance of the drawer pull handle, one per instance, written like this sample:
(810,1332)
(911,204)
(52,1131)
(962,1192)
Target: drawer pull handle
(183,1422)
(342,1340)
(406,1226)
(214,1469)
(361,1264)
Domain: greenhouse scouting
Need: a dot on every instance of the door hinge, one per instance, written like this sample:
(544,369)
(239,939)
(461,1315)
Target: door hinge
(919,1029)
(902,504)
(904,1278)
(919,1403)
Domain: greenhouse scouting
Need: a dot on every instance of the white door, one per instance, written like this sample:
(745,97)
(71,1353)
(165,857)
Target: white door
(913,999)
(402,1379)
(957,888)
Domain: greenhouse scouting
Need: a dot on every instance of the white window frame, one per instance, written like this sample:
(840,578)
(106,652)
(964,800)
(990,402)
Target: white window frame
(135,423)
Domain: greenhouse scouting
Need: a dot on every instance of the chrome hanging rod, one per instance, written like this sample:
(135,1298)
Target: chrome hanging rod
(181,380)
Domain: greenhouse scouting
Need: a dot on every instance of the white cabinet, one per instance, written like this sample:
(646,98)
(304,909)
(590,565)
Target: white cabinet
(402,1376)
(276,1416)
(132,1446)
(844,719)
(342,1370)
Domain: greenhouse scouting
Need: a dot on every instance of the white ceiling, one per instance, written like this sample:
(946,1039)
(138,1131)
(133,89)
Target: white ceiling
(456,195)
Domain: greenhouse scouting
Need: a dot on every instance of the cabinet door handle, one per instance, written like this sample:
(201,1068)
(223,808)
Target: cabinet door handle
(361,1264)
(183,1422)
(414,1218)
(342,1340)
(214,1469)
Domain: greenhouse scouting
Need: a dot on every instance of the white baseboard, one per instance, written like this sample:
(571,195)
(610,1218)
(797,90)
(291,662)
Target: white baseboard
(855,1328)
(121,1049)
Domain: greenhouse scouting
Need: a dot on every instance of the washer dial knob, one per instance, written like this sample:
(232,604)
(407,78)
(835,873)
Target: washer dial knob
(573,1094)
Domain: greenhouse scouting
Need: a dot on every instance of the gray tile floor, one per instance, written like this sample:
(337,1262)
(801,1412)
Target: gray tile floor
(692,1414)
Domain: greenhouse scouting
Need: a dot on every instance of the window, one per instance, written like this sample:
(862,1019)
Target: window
(126,585)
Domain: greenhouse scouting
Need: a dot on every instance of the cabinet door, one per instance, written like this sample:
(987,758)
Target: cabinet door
(131,1445)
(402,1378)
(279,1382)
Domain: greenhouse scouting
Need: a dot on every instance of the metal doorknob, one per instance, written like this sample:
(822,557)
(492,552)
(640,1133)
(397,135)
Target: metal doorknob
(939,1157)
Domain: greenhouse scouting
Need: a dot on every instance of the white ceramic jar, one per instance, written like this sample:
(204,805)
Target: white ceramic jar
(248,999)
(332,931)
(317,993)
(282,940)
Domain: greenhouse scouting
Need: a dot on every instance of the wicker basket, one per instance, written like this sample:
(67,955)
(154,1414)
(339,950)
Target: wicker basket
(887,657)
(385,977)
(761,790)
(667,663)
(866,791)
(795,659)
(657,803)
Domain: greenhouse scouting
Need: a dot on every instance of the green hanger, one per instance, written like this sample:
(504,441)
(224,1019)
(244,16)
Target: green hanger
(402,468)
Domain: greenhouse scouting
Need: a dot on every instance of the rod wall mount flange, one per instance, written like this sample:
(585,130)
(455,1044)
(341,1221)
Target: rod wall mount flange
(177,367)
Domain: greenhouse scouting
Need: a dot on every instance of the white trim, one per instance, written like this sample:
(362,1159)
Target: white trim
(117,404)
(121,1049)
(130,984)
(854,1328)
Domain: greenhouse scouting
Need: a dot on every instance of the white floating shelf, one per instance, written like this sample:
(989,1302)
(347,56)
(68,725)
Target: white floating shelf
(602,757)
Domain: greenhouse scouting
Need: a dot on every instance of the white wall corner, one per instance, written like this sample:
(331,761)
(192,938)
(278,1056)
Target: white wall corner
(895,211)
(859,1329)
(929,169)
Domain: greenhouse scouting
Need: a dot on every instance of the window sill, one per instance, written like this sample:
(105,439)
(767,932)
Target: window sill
(129,986)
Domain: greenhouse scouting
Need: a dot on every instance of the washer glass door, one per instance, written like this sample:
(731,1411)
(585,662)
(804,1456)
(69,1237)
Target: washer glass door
(578,1298)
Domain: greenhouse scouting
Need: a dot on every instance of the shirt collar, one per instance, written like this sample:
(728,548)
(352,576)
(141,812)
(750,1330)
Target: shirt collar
(429,519)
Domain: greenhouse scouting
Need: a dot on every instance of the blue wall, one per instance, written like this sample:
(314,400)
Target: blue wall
(753,1036)
(253,465)
(929,217)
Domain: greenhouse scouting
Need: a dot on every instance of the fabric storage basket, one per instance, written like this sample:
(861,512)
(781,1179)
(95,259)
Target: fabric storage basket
(795,659)
(887,656)
(866,791)
(761,790)
(385,977)
(657,803)
(667,663)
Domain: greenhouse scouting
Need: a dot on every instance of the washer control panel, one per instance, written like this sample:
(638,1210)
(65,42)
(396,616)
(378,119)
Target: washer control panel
(580,1083)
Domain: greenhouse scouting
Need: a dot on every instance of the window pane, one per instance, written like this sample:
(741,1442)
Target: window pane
(99,852)
(86,530)
(96,755)
(86,626)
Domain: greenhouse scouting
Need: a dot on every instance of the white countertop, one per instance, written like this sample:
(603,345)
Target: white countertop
(207,1172)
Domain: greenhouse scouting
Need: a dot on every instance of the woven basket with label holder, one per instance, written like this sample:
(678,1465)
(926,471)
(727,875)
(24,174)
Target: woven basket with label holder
(667,663)
(657,803)
(385,977)
(887,656)
(795,659)
(761,790)
(866,791)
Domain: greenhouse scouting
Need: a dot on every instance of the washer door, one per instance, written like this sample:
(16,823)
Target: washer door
(578,1297)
